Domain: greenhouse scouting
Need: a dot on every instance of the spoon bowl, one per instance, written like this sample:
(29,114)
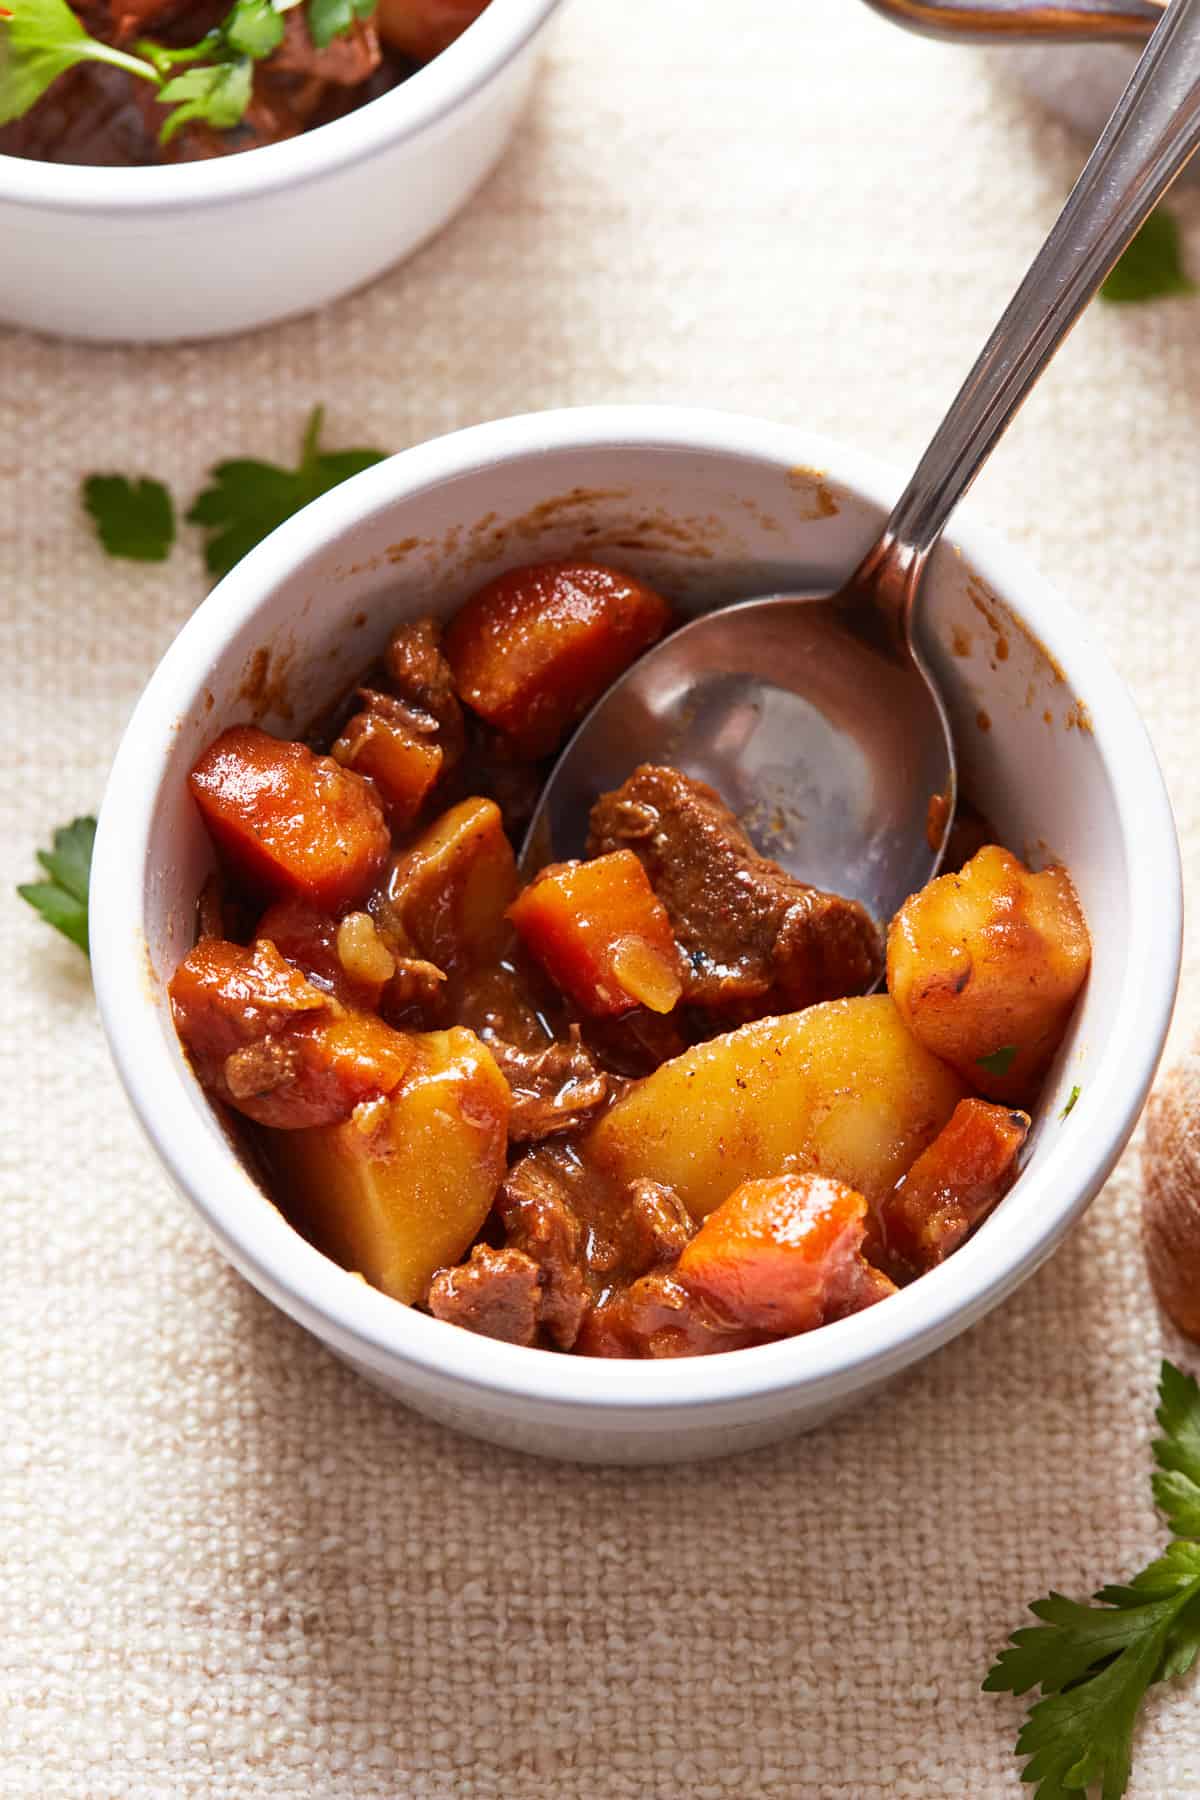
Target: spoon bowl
(835,752)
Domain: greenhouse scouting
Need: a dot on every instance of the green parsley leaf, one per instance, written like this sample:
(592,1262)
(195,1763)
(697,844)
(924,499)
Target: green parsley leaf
(1095,1663)
(133,518)
(1000,1061)
(247,500)
(328,19)
(1177,1487)
(217,94)
(1072,1097)
(1152,266)
(254,28)
(39,41)
(63,900)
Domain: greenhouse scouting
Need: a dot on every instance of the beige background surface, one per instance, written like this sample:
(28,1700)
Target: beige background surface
(227,1568)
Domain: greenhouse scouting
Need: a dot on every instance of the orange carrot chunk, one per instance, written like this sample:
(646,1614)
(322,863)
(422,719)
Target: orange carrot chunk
(602,934)
(533,649)
(783,1255)
(264,1039)
(953,1185)
(397,749)
(289,822)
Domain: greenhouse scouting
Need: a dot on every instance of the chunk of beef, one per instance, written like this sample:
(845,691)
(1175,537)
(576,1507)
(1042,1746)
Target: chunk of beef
(415,998)
(170,21)
(553,1090)
(419,675)
(493,767)
(497,1293)
(751,933)
(658,1317)
(637,1043)
(90,114)
(535,1207)
(655,1228)
(345,60)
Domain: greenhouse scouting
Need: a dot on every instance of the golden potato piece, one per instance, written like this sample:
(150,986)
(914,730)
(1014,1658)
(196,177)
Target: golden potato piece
(402,1187)
(842,1088)
(449,891)
(985,967)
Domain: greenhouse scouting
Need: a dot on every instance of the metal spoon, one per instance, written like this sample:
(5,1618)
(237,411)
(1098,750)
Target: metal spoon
(814,714)
(1024,21)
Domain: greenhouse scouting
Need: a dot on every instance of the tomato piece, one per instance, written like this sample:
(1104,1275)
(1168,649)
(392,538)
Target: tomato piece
(953,1185)
(396,749)
(534,648)
(447,894)
(779,1255)
(267,1041)
(290,822)
(601,933)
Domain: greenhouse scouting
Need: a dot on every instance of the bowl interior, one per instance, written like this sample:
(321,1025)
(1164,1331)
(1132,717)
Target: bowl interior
(1043,753)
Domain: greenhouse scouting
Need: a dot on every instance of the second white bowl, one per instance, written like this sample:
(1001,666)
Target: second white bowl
(198,250)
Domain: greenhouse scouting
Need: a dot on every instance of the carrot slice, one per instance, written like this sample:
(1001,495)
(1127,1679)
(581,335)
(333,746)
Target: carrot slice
(289,822)
(533,649)
(602,934)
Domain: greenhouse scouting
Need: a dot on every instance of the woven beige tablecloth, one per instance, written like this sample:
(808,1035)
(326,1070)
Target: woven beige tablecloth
(227,1567)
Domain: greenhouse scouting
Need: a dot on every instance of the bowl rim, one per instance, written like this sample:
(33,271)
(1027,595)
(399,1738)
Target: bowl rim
(427,96)
(379,1332)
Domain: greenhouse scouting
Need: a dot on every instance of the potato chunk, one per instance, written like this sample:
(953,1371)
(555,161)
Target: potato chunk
(289,822)
(842,1089)
(534,648)
(600,932)
(985,967)
(449,892)
(402,1187)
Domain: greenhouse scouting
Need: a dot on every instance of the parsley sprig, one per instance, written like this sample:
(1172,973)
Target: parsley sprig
(1095,1663)
(246,499)
(134,518)
(1152,267)
(39,41)
(63,899)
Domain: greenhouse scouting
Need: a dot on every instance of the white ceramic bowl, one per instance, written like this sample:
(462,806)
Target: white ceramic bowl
(196,250)
(711,506)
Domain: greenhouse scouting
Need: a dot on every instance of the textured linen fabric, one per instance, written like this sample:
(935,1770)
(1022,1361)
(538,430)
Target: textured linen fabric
(228,1568)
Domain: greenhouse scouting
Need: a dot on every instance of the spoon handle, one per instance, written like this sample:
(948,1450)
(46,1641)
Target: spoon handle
(1024,21)
(1153,131)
